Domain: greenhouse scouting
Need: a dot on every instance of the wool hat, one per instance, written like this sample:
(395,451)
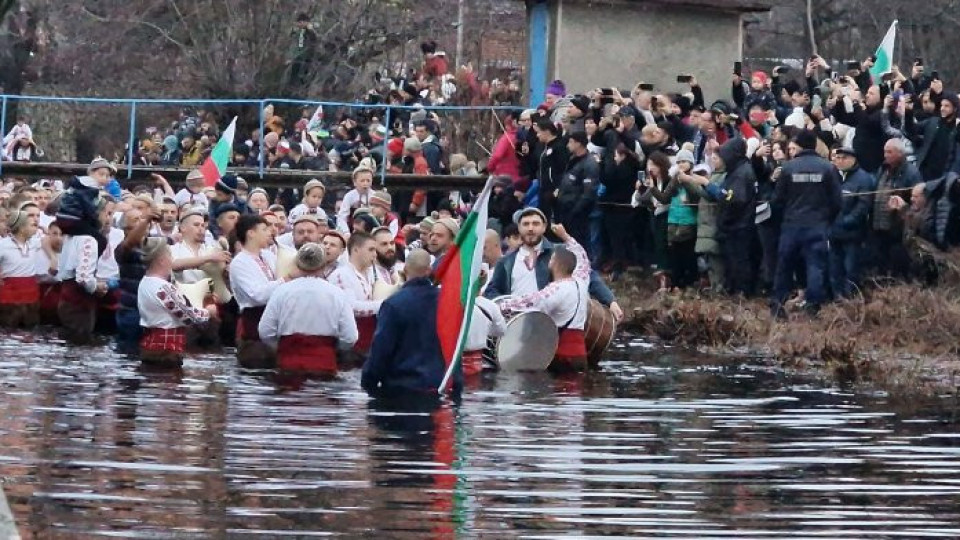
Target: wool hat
(418,116)
(847,151)
(426,224)
(313,184)
(368,163)
(193,211)
(762,75)
(685,155)
(395,146)
(227,184)
(381,199)
(16,219)
(412,145)
(153,247)
(557,88)
(360,211)
(311,257)
(368,219)
(101,163)
(450,224)
(582,103)
(242,184)
(306,218)
(520,214)
(224,208)
(195,174)
(953,99)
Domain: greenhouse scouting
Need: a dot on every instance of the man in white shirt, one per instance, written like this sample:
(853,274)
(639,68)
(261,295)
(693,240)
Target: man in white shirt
(306,337)
(164,312)
(565,299)
(253,280)
(80,289)
(353,278)
(306,229)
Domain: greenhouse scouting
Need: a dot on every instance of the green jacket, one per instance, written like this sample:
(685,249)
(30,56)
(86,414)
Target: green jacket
(707,218)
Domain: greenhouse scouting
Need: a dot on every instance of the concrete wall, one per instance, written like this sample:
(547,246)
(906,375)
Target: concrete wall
(603,45)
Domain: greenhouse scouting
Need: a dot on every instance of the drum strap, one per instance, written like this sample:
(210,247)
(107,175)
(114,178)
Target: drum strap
(564,327)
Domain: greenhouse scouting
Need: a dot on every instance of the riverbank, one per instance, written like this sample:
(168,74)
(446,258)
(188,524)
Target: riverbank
(896,335)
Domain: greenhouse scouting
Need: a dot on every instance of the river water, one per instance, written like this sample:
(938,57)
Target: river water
(658,444)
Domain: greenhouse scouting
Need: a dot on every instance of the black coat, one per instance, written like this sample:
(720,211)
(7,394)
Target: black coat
(808,191)
(870,136)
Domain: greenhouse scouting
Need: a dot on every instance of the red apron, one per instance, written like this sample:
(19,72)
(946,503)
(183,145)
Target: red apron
(110,301)
(300,352)
(19,291)
(365,328)
(248,324)
(49,298)
(571,350)
(74,294)
(171,340)
(472,362)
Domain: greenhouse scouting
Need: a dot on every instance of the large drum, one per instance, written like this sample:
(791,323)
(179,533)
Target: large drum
(598,332)
(529,343)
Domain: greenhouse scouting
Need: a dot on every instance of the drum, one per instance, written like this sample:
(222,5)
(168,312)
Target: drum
(529,343)
(286,262)
(218,283)
(383,290)
(598,332)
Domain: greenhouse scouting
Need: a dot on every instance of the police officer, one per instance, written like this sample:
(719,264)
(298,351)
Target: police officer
(577,193)
(808,192)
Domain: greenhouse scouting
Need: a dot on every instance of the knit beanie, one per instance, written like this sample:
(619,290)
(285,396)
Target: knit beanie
(227,184)
(557,88)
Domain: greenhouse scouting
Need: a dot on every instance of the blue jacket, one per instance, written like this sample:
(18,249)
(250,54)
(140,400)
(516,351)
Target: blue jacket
(79,202)
(854,218)
(406,356)
(501,282)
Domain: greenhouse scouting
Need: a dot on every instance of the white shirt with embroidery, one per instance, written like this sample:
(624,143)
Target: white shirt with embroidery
(181,250)
(107,267)
(295,308)
(195,199)
(566,301)
(358,288)
(161,305)
(351,201)
(78,261)
(487,322)
(18,260)
(252,279)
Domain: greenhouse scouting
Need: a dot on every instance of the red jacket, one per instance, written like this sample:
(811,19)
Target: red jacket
(504,159)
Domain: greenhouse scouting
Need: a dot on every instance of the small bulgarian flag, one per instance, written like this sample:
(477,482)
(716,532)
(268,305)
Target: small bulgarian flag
(884,63)
(215,166)
(459,279)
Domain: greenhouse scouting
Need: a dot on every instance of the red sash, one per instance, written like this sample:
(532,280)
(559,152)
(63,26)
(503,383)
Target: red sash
(571,350)
(73,293)
(472,362)
(249,322)
(19,291)
(365,328)
(172,340)
(300,352)
(110,301)
(49,298)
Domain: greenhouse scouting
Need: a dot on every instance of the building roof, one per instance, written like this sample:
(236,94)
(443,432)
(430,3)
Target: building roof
(742,6)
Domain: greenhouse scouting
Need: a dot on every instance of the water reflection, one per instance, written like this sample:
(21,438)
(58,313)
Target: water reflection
(658,444)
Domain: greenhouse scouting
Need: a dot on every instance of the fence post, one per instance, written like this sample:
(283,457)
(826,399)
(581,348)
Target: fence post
(263,122)
(384,161)
(3,127)
(133,136)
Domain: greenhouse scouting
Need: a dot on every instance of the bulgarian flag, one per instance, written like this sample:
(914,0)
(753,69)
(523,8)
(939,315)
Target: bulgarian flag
(884,63)
(216,165)
(459,278)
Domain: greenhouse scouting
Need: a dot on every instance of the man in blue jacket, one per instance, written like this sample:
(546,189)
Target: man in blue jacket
(808,192)
(405,358)
(526,270)
(849,229)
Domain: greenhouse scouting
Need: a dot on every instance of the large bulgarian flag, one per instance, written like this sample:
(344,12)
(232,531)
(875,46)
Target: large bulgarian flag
(215,165)
(884,63)
(459,277)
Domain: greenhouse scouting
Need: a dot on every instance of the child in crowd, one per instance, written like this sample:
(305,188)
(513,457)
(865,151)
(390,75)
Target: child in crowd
(313,193)
(193,193)
(78,214)
(357,197)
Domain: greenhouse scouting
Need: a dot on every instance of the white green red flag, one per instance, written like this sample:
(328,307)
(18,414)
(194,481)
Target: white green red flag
(215,165)
(316,121)
(884,63)
(459,278)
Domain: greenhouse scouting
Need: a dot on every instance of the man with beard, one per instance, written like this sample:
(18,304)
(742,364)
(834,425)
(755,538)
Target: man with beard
(870,136)
(442,235)
(306,229)
(386,269)
(526,270)
(937,138)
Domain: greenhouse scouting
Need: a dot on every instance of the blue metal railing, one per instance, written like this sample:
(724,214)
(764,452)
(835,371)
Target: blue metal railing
(261,103)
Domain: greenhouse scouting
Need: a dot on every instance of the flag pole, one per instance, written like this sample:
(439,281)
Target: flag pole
(481,201)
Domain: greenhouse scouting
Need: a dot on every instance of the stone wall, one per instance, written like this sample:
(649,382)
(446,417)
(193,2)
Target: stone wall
(600,45)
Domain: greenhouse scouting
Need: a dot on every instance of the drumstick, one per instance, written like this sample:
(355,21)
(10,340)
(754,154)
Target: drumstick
(484,148)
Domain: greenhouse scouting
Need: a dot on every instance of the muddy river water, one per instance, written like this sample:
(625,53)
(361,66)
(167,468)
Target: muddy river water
(659,444)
